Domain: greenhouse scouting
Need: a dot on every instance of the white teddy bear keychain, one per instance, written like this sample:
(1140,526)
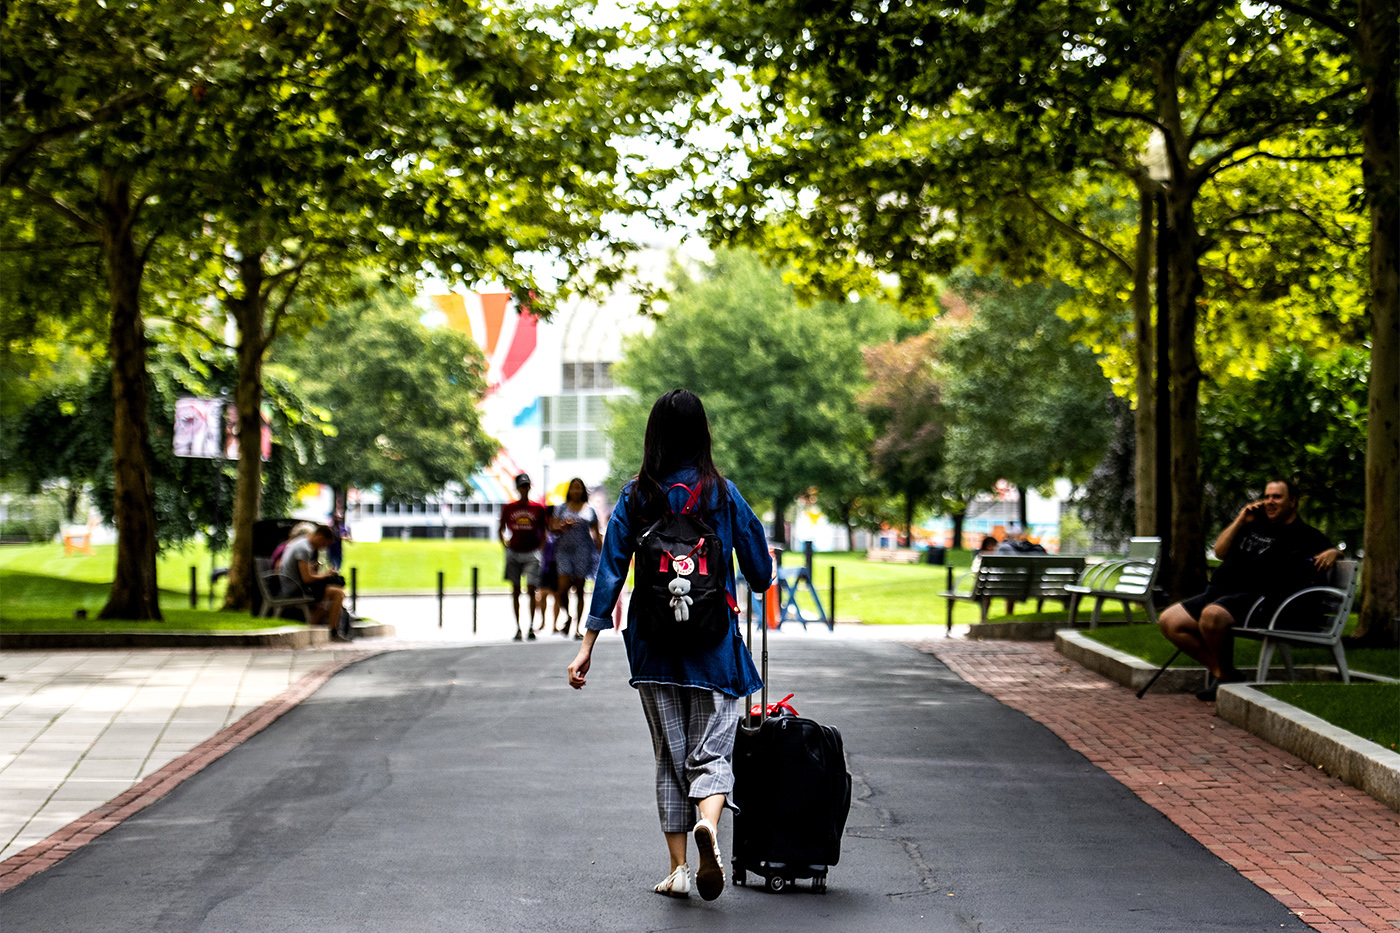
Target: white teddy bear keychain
(680,602)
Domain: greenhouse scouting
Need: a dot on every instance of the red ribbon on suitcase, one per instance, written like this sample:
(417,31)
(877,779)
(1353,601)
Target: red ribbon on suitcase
(774,709)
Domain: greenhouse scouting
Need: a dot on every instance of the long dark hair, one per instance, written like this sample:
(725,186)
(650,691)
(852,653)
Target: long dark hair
(677,432)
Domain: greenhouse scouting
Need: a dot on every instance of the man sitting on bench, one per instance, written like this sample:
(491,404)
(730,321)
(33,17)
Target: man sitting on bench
(1266,551)
(297,572)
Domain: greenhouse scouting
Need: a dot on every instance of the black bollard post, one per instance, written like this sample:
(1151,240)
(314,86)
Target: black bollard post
(194,588)
(439,599)
(808,552)
(354,588)
(476,591)
(831,593)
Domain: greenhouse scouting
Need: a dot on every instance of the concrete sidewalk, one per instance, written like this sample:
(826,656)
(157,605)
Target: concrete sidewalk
(78,728)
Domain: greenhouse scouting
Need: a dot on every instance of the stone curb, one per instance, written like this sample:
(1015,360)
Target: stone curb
(1363,764)
(290,636)
(26,864)
(1132,672)
(1014,631)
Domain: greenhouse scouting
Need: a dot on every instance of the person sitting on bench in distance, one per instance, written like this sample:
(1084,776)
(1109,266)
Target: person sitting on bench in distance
(1266,551)
(298,573)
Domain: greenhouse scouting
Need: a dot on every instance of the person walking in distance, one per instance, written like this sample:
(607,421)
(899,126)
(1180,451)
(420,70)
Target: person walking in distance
(692,695)
(576,550)
(522,531)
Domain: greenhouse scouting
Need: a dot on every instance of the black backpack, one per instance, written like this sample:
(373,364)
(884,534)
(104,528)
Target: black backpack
(681,594)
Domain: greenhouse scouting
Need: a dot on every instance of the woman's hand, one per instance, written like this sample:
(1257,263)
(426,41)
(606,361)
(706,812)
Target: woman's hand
(579,667)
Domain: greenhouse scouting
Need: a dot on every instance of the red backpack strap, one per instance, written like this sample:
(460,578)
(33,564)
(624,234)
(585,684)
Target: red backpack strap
(691,502)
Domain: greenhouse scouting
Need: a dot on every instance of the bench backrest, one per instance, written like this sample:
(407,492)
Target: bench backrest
(1131,577)
(1144,548)
(1321,610)
(1022,576)
(1053,574)
(262,569)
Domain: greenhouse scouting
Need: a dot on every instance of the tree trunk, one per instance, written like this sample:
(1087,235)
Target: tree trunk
(70,502)
(908,519)
(1181,244)
(958,519)
(846,508)
(1188,557)
(1144,415)
(1022,513)
(134,592)
(1377,46)
(249,313)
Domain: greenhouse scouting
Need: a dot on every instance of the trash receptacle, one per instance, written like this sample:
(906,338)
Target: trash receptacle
(935,555)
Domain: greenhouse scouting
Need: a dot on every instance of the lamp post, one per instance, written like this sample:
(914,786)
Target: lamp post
(546,460)
(1159,170)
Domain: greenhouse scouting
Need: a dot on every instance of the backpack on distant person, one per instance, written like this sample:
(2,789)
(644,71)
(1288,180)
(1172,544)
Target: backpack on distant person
(681,589)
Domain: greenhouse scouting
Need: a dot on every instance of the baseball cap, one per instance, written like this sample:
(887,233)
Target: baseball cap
(522,479)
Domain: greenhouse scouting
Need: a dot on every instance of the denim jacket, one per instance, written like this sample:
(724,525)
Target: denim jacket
(728,667)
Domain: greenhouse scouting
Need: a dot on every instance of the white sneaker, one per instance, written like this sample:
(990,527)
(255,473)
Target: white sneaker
(709,877)
(677,883)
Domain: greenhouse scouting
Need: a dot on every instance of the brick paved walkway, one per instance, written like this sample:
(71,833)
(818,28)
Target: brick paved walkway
(1327,851)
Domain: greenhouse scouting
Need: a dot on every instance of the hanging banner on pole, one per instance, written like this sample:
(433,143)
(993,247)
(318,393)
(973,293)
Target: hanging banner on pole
(208,428)
(199,428)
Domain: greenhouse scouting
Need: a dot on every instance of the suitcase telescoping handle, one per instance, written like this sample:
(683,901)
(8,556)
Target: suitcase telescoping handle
(763,627)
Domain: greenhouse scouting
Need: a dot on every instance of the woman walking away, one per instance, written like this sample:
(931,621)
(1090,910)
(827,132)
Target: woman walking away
(575,551)
(688,662)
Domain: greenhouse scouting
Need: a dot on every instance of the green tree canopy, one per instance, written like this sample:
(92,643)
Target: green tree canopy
(778,380)
(1027,402)
(904,404)
(896,136)
(1302,418)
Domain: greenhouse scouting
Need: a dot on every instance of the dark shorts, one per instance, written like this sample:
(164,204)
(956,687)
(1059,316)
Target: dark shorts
(1237,604)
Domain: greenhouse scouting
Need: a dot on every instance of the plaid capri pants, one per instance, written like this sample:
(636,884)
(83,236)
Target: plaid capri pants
(692,737)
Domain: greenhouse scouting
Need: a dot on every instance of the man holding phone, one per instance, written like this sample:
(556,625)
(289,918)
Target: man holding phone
(1266,551)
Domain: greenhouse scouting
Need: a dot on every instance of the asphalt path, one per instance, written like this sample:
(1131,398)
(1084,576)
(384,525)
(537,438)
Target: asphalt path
(468,789)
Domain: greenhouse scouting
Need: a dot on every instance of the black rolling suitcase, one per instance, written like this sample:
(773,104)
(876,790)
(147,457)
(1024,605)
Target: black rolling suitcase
(793,793)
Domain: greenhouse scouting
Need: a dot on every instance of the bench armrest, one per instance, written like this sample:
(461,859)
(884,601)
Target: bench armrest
(1329,590)
(1250,614)
(1092,576)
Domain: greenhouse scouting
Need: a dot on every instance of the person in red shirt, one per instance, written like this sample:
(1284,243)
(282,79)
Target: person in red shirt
(522,531)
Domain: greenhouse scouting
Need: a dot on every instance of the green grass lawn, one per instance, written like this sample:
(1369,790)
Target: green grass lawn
(40,587)
(1371,711)
(1146,642)
(900,594)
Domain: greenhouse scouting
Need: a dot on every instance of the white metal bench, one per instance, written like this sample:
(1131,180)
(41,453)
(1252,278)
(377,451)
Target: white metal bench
(1124,580)
(1012,577)
(1315,616)
(272,604)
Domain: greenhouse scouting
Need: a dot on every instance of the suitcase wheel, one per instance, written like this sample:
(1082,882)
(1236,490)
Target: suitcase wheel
(776,883)
(819,884)
(741,876)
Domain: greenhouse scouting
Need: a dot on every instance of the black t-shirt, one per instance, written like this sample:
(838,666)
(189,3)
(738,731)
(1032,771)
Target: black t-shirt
(1271,559)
